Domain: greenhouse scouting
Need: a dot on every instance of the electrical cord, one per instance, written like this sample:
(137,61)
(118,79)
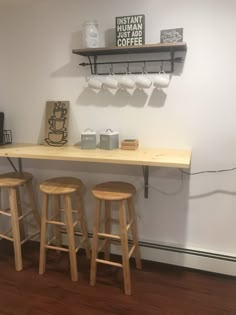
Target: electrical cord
(203,172)
(173,193)
(180,188)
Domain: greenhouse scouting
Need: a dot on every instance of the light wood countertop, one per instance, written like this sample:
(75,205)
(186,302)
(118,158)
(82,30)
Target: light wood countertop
(142,156)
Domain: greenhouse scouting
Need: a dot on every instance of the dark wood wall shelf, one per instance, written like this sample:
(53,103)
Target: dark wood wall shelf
(163,47)
(144,49)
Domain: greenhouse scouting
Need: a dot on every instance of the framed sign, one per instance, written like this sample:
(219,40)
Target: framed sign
(56,128)
(130,30)
(172,35)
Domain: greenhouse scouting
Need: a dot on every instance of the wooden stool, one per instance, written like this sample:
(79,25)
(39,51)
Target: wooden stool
(13,181)
(57,188)
(119,192)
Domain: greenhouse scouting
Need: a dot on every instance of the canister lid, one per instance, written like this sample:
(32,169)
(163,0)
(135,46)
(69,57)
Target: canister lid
(92,22)
(109,132)
(88,131)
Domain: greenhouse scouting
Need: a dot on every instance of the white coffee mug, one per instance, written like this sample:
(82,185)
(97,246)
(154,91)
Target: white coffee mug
(111,82)
(126,82)
(162,80)
(94,83)
(143,82)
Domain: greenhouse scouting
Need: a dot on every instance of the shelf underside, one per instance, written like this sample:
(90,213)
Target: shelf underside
(152,48)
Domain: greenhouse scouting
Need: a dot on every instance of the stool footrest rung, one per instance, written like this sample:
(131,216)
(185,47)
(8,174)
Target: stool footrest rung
(51,239)
(75,233)
(132,250)
(55,222)
(77,249)
(73,211)
(75,223)
(56,248)
(6,237)
(117,237)
(129,224)
(103,243)
(7,232)
(25,215)
(107,262)
(29,237)
(78,233)
(51,221)
(5,212)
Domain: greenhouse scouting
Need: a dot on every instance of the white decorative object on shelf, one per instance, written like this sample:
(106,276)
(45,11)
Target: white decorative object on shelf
(91,34)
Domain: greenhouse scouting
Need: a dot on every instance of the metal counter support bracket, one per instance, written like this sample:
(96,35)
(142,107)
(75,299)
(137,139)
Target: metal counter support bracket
(19,170)
(145,176)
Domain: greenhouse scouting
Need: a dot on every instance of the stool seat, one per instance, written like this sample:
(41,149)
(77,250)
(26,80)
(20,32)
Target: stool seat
(114,191)
(61,185)
(14,179)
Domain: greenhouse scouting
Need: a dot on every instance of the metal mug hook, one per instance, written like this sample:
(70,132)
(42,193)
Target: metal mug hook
(111,69)
(162,66)
(144,67)
(127,70)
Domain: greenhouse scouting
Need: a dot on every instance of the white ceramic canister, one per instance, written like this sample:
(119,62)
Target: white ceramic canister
(91,34)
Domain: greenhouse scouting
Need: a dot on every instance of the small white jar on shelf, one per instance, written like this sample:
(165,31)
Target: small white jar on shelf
(91,34)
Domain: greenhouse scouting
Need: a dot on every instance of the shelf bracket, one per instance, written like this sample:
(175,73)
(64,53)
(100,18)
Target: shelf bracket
(172,58)
(20,169)
(95,64)
(92,64)
(145,177)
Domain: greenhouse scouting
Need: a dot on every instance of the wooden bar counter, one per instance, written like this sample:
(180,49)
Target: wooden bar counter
(144,157)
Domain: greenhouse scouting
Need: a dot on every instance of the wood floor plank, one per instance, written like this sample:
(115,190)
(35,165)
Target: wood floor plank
(158,289)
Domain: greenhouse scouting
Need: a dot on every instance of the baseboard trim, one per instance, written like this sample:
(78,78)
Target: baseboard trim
(184,250)
(186,257)
(189,258)
(188,251)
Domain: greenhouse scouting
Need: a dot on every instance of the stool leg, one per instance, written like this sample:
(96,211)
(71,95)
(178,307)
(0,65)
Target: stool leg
(96,223)
(124,248)
(57,228)
(15,228)
(83,224)
(42,256)
(71,238)
(107,248)
(33,204)
(21,224)
(132,218)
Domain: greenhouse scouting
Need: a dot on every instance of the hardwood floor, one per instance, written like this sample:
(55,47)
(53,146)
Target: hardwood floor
(157,290)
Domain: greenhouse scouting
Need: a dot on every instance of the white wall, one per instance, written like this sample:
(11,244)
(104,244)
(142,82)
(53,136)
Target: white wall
(197,112)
